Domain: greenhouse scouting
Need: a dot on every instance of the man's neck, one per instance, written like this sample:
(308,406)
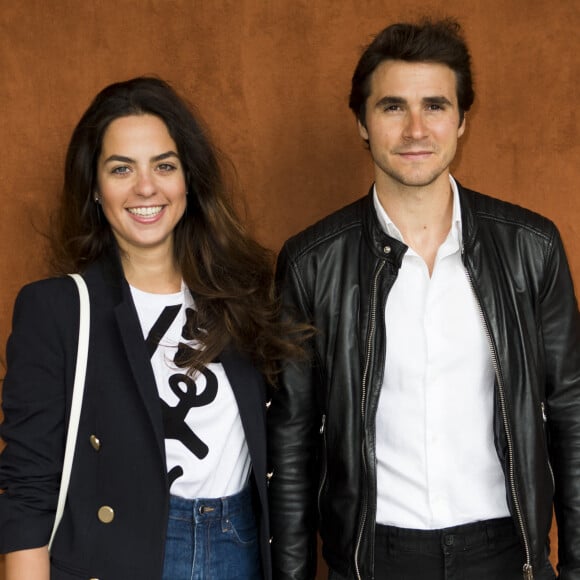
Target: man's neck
(422,214)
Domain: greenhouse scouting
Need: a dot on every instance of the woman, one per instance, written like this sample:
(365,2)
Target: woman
(169,476)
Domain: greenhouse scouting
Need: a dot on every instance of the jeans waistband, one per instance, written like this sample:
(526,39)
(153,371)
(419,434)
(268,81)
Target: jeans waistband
(460,537)
(203,509)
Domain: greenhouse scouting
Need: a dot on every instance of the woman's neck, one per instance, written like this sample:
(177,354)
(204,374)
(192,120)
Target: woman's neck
(152,273)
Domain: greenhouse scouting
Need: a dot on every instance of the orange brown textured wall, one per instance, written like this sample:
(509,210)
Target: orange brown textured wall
(271,79)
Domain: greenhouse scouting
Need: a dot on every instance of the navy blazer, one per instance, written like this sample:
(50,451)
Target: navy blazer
(120,455)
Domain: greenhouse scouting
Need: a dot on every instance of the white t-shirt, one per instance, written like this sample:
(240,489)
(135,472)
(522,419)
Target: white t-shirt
(206,449)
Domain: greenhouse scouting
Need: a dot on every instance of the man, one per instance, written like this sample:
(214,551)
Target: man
(438,417)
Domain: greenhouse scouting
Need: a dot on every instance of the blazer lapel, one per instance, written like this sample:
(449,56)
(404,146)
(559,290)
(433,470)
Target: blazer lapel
(111,292)
(134,343)
(138,359)
(250,393)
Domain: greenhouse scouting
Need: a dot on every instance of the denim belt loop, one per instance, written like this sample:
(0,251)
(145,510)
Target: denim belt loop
(225,515)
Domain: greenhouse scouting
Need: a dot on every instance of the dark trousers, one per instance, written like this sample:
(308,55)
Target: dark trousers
(489,550)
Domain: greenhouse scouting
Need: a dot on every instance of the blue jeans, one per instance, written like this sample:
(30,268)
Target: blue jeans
(212,539)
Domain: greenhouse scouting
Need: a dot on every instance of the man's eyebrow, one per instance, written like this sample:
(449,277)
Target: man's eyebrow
(389,100)
(123,159)
(432,100)
(437,100)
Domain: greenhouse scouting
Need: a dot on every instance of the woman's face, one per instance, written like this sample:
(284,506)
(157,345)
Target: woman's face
(141,184)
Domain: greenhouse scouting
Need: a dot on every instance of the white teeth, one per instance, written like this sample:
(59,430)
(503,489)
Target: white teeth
(145,211)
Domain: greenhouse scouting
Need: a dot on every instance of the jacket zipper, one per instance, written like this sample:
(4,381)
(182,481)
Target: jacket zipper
(325,467)
(527,570)
(370,336)
(545,419)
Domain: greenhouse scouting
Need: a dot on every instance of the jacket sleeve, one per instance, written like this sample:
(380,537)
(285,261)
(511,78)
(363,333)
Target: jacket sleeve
(293,425)
(561,336)
(34,405)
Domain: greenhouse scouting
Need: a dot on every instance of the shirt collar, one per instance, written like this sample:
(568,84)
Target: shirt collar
(392,230)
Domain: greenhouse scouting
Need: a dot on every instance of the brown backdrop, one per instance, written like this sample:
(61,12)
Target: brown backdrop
(271,79)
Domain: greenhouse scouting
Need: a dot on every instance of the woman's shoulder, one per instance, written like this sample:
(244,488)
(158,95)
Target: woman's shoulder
(48,287)
(44,321)
(48,296)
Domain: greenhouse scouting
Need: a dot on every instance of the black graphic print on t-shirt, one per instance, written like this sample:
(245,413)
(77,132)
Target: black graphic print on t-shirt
(183,386)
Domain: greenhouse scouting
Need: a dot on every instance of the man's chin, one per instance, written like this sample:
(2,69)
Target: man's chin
(417,179)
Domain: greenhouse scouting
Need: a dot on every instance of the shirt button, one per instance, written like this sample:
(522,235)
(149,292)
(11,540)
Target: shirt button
(106,514)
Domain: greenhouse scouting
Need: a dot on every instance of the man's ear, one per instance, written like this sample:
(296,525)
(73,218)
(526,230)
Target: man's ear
(362,130)
(462,125)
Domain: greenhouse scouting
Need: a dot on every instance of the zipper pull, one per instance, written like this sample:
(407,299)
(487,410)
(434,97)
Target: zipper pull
(528,572)
(544,417)
(322,424)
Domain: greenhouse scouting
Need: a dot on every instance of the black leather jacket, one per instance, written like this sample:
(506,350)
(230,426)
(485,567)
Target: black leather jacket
(337,274)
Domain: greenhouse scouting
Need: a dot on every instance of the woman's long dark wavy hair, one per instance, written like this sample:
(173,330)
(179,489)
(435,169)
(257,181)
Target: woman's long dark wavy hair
(229,274)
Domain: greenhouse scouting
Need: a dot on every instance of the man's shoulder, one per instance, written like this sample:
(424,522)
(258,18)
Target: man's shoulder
(487,208)
(341,224)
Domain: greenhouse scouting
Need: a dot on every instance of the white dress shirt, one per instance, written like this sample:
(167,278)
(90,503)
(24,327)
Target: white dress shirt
(436,461)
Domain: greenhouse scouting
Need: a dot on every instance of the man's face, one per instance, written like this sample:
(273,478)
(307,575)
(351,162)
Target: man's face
(412,123)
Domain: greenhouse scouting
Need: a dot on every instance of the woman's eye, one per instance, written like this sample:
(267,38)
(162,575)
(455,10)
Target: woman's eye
(166,167)
(121,170)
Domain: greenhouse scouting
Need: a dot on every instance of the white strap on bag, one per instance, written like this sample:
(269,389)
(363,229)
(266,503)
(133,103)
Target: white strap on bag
(77,399)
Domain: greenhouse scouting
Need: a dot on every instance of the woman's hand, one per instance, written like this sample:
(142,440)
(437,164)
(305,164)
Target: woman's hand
(28,564)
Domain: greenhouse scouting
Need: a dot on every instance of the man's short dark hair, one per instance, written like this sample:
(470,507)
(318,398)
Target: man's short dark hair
(428,41)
